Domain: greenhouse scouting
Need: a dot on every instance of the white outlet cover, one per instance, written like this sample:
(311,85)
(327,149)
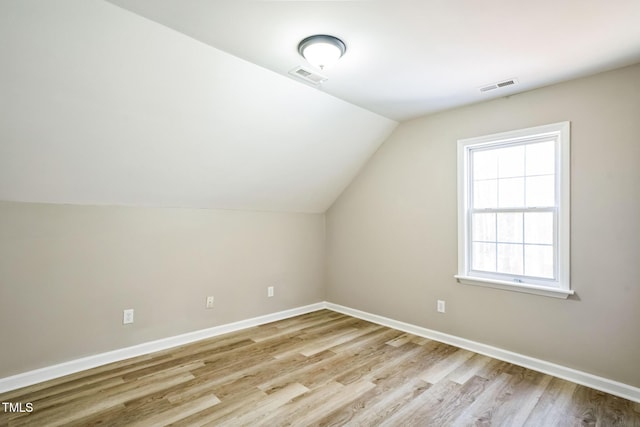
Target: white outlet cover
(127,316)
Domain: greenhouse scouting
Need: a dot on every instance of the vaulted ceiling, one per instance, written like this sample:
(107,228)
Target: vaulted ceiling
(407,58)
(101,106)
(187,103)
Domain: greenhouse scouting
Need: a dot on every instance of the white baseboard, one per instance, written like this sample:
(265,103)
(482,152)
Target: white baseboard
(599,383)
(77,365)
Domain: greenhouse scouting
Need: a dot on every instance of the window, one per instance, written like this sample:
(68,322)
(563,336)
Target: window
(513,210)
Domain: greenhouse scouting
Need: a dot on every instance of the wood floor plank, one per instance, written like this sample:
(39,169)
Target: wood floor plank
(258,375)
(416,412)
(264,407)
(395,386)
(446,366)
(115,396)
(318,411)
(394,382)
(554,406)
(457,401)
(288,326)
(599,408)
(240,403)
(514,404)
(371,340)
(321,368)
(400,340)
(469,369)
(82,379)
(375,406)
(384,360)
(480,411)
(178,412)
(293,411)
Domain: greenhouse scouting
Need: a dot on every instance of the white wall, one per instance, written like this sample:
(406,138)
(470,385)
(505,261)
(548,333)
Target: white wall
(100,106)
(392,236)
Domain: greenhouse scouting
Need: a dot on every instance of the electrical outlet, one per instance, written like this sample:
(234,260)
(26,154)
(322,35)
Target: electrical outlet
(441,306)
(209,302)
(127,316)
(270,291)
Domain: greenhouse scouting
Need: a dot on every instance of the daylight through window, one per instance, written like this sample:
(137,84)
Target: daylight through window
(514,210)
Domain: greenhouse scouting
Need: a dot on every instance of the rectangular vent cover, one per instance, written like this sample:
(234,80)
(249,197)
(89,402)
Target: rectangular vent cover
(498,85)
(308,75)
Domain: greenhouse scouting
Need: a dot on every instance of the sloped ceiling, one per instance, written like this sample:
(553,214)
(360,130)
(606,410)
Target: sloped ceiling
(407,58)
(187,103)
(102,106)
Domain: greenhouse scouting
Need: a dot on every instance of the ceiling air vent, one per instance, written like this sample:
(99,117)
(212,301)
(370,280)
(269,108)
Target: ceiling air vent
(308,75)
(498,85)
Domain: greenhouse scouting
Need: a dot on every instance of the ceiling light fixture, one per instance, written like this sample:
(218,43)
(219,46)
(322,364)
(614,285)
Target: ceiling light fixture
(322,50)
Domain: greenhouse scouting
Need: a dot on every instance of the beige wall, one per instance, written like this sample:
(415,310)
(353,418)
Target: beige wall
(67,272)
(391,236)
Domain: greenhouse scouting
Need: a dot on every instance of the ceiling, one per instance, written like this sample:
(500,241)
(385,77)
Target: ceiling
(100,106)
(187,103)
(407,58)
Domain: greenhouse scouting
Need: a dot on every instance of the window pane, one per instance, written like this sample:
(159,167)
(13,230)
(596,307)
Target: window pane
(538,227)
(484,227)
(538,261)
(485,164)
(483,256)
(511,161)
(485,194)
(511,193)
(510,259)
(540,158)
(540,191)
(510,227)
(510,204)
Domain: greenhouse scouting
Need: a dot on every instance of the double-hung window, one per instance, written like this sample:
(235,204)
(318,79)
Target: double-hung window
(513,210)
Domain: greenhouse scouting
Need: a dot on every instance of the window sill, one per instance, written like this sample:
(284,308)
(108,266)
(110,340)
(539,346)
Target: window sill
(520,287)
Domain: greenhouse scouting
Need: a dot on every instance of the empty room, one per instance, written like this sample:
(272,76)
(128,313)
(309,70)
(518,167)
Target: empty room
(336,213)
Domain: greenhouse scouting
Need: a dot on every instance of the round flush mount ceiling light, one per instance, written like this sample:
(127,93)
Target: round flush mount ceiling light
(322,50)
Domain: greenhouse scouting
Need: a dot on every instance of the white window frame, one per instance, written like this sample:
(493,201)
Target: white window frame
(560,286)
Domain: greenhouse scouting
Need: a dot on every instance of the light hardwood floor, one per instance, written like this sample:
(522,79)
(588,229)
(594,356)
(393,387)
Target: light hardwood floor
(321,368)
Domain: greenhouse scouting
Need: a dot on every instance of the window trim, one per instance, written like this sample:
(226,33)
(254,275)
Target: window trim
(559,131)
